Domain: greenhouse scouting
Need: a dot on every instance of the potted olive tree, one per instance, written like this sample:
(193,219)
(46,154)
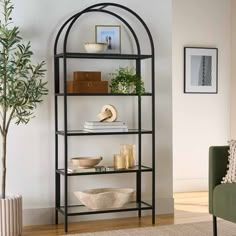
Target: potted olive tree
(21,89)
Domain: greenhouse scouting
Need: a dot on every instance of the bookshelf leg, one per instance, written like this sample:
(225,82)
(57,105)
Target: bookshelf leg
(56,217)
(138,195)
(66,224)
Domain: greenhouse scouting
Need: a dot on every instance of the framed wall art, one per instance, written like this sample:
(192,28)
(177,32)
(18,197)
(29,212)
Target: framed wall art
(200,70)
(111,35)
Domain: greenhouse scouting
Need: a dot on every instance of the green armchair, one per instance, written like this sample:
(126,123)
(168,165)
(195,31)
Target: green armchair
(222,197)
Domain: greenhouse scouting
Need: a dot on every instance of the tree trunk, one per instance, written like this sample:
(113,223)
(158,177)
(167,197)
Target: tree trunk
(4,169)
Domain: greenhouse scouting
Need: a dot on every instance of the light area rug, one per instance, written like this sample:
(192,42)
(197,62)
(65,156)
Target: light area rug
(192,229)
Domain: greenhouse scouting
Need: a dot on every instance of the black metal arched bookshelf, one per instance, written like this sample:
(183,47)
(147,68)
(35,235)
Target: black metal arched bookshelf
(66,209)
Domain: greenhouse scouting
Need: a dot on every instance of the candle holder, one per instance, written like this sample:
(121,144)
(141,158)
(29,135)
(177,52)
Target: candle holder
(119,161)
(128,152)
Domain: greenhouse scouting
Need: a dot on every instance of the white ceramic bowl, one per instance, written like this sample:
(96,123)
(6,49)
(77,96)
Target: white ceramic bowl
(103,198)
(85,162)
(95,47)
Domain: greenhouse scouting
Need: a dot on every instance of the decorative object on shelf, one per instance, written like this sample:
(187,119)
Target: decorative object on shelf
(97,199)
(97,126)
(95,47)
(110,35)
(200,70)
(120,162)
(104,115)
(87,75)
(21,89)
(107,122)
(74,169)
(126,158)
(127,82)
(108,113)
(86,162)
(87,82)
(87,87)
(128,152)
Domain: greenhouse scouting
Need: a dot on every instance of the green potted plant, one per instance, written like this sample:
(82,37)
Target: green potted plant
(21,89)
(127,82)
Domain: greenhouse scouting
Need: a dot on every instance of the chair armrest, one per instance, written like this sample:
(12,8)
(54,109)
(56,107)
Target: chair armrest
(218,160)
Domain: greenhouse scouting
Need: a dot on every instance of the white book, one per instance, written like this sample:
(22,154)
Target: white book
(106,130)
(104,123)
(77,170)
(94,169)
(105,127)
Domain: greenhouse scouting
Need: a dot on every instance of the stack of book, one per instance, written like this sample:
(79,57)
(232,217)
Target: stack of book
(74,169)
(103,127)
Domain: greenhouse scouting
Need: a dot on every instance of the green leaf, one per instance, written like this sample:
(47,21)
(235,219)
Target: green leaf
(126,80)
(21,85)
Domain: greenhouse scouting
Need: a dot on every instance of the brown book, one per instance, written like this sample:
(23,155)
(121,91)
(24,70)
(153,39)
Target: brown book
(87,76)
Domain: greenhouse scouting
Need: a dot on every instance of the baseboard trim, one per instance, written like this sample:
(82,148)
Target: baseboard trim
(45,216)
(190,185)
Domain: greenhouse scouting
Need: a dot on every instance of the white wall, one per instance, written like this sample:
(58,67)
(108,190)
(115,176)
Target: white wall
(31,147)
(233,76)
(199,120)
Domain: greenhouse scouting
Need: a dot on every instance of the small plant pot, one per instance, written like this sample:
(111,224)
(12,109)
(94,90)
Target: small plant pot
(11,216)
(126,88)
(126,81)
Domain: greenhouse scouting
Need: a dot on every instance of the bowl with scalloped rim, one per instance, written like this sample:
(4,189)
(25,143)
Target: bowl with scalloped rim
(104,198)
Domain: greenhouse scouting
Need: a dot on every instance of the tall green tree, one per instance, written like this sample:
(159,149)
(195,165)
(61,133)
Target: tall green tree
(21,85)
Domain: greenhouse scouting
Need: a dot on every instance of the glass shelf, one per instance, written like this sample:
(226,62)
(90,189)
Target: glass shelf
(105,170)
(84,133)
(103,56)
(102,94)
(83,210)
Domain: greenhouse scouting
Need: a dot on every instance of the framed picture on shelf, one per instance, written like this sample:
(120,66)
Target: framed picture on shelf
(200,70)
(111,35)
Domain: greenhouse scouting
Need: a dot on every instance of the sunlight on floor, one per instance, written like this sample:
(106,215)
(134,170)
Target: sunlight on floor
(191,206)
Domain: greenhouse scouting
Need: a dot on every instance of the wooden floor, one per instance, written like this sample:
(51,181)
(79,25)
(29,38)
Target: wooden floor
(189,207)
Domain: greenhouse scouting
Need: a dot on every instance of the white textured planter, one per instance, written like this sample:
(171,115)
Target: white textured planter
(11,216)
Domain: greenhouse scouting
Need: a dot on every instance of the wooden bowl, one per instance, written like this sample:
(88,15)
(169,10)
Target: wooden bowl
(95,47)
(85,162)
(104,198)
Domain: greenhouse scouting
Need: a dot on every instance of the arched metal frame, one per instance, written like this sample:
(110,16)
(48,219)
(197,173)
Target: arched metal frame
(101,7)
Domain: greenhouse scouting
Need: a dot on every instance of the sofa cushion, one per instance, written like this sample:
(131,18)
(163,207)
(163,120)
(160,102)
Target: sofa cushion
(230,176)
(224,201)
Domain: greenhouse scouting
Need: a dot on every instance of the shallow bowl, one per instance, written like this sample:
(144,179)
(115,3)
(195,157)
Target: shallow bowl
(104,198)
(95,47)
(85,162)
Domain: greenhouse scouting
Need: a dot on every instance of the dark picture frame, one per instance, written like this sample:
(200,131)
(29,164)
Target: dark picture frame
(201,70)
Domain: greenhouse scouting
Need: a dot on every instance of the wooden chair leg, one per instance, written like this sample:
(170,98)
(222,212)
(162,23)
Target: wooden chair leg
(214,226)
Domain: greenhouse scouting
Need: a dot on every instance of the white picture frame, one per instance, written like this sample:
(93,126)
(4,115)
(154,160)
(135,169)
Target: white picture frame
(111,35)
(200,70)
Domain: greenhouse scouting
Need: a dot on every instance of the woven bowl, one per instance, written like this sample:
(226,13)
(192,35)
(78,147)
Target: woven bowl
(104,198)
(85,162)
